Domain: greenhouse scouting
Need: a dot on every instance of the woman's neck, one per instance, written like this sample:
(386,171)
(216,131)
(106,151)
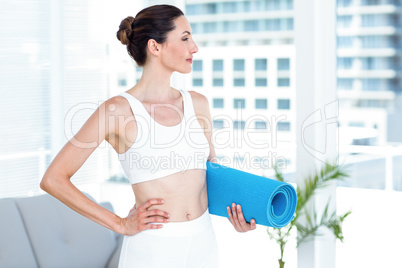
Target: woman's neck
(154,85)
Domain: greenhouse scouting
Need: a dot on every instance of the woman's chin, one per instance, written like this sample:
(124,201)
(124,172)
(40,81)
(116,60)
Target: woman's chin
(184,71)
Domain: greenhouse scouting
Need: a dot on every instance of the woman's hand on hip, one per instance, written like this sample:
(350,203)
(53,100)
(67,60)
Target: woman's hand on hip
(236,218)
(139,219)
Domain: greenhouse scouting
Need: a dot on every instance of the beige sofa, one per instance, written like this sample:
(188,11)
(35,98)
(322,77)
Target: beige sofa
(42,232)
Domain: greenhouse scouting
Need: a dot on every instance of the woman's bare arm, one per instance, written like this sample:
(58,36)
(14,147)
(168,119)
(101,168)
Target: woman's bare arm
(201,107)
(56,180)
(235,213)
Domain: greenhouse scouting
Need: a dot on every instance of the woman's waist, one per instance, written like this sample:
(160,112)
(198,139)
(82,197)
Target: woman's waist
(181,208)
(185,195)
(183,228)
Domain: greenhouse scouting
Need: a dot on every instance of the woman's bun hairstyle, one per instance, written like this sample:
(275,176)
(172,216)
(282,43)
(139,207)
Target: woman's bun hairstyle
(125,30)
(153,22)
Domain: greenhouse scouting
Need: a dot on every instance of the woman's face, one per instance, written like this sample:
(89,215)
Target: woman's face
(177,51)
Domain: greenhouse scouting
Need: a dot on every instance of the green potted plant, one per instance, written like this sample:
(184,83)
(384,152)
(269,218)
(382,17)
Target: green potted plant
(310,226)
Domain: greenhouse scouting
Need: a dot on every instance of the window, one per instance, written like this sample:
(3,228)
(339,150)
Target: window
(370,2)
(193,9)
(218,124)
(251,25)
(209,8)
(218,103)
(345,41)
(210,27)
(197,9)
(238,65)
(229,7)
(284,24)
(283,82)
(392,63)
(279,5)
(283,104)
(238,158)
(371,84)
(370,20)
(272,24)
(261,104)
(345,63)
(261,82)
(239,82)
(393,85)
(344,3)
(122,82)
(239,103)
(217,65)
(239,124)
(231,26)
(252,6)
(260,64)
(356,124)
(376,41)
(344,21)
(371,63)
(196,27)
(345,83)
(197,65)
(260,125)
(283,126)
(32,142)
(197,82)
(283,64)
(371,104)
(217,82)
(289,23)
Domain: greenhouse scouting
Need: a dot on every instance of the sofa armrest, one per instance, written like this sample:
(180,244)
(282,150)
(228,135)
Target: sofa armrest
(114,259)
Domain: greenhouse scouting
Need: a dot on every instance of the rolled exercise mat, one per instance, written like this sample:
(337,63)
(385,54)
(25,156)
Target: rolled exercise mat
(269,202)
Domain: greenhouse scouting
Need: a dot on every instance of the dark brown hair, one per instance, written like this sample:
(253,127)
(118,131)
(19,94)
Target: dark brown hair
(153,22)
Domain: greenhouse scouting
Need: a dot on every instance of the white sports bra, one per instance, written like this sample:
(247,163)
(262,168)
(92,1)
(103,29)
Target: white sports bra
(158,150)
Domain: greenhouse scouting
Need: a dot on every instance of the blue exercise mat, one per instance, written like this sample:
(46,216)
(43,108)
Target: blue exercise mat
(269,202)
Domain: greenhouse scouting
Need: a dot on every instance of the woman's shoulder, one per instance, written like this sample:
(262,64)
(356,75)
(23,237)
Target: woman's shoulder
(198,99)
(200,102)
(117,105)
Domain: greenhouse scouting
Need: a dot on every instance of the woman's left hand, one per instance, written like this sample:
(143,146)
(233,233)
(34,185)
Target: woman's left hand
(237,219)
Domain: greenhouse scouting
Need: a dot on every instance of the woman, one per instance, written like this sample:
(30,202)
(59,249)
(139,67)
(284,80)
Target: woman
(171,129)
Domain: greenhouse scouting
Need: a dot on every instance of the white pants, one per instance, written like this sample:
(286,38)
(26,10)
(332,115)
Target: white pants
(190,244)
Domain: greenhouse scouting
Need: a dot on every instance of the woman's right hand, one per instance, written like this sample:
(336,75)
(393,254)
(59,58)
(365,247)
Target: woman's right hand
(139,219)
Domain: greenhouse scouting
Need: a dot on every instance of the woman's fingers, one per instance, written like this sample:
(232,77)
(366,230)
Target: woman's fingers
(237,219)
(151,202)
(156,213)
(233,217)
(230,216)
(253,224)
(154,219)
(243,224)
(140,218)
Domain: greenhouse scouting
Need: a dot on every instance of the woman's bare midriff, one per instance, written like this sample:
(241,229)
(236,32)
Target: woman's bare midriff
(185,194)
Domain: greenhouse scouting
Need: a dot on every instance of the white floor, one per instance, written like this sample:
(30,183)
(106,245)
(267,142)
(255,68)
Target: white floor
(373,233)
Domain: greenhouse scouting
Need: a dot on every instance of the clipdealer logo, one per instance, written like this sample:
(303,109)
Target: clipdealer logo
(226,137)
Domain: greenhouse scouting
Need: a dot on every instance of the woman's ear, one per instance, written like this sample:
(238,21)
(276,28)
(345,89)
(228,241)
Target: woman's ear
(153,47)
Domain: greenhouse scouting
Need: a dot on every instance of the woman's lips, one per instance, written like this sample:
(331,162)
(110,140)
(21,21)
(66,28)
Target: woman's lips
(190,60)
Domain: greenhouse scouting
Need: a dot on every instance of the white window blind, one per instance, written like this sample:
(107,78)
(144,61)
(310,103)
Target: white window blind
(52,57)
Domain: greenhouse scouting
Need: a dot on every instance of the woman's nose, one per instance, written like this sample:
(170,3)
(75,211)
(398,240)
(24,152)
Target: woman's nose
(194,48)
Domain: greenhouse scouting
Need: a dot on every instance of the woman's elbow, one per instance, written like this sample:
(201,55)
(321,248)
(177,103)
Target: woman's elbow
(44,184)
(50,182)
